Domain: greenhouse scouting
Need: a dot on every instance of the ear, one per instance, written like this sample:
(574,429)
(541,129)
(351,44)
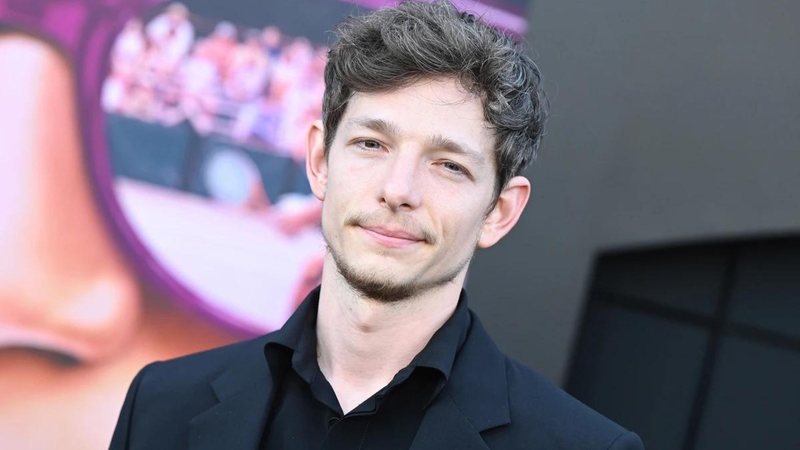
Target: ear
(505,214)
(316,162)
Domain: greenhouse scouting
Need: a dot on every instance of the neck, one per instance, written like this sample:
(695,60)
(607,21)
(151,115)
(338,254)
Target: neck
(362,343)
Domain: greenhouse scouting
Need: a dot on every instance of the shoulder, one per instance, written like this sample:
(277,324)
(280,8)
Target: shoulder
(536,413)
(186,383)
(203,366)
(543,415)
(165,396)
(217,357)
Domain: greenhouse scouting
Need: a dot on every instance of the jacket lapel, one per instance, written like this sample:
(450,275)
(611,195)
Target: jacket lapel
(245,392)
(474,400)
(237,421)
(444,426)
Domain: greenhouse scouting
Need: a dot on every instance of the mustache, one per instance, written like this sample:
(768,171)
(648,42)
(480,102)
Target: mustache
(396,221)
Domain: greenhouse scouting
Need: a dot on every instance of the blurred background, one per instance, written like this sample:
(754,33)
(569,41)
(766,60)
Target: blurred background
(154,203)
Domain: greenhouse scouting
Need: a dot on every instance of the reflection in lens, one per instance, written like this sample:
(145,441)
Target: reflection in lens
(206,122)
(229,176)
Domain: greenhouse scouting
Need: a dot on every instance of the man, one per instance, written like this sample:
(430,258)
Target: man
(429,116)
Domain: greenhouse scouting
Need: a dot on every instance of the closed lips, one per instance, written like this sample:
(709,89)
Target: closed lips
(396,234)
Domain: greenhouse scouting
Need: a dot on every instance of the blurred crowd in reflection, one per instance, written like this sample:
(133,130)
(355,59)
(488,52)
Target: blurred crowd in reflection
(253,86)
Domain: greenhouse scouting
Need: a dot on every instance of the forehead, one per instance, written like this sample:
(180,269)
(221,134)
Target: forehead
(428,109)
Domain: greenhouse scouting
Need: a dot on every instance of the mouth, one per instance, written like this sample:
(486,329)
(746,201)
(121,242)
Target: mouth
(393,238)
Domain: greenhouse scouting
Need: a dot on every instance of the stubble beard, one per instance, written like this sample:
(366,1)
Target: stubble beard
(385,289)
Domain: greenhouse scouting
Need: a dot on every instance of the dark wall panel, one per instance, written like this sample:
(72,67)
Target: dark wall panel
(687,279)
(754,400)
(767,292)
(641,371)
(724,377)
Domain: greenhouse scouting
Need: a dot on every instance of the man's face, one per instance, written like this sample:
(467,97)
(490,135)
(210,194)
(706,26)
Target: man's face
(409,179)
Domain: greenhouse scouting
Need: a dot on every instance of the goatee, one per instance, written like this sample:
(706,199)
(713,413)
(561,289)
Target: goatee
(385,288)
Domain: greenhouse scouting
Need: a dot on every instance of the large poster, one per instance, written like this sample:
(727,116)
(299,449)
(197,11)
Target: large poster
(152,191)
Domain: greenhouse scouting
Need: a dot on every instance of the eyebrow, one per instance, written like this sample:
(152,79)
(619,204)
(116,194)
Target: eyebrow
(392,130)
(378,125)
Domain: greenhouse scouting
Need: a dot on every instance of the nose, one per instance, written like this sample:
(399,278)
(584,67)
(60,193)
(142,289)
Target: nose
(401,187)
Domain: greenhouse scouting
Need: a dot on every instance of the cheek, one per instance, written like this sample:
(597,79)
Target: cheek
(350,181)
(337,207)
(461,227)
(337,195)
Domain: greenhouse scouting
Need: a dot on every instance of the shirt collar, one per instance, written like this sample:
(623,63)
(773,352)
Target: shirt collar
(298,334)
(303,318)
(441,350)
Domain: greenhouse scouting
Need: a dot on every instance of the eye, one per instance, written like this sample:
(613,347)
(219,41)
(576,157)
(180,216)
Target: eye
(450,166)
(370,144)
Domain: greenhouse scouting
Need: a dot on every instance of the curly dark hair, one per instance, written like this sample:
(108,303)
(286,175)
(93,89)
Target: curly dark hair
(395,47)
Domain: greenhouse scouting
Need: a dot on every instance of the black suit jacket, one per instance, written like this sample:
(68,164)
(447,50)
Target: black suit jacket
(219,400)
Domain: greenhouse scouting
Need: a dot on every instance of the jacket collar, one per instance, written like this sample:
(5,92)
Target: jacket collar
(474,400)
(479,385)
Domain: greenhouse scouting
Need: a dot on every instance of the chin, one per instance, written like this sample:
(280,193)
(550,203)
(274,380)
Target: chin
(378,286)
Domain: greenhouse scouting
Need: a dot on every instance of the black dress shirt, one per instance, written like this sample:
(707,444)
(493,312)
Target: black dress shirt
(305,413)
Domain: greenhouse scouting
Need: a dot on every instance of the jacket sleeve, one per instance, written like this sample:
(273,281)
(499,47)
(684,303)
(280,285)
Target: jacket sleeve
(121,438)
(627,441)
